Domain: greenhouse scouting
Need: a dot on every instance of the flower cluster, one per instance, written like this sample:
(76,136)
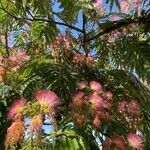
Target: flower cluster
(61,46)
(12,63)
(117,142)
(17,59)
(16,109)
(129,113)
(46,102)
(82,59)
(120,142)
(15,133)
(91,99)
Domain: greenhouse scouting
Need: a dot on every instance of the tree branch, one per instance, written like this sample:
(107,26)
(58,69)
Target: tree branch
(6,43)
(84,35)
(119,24)
(41,19)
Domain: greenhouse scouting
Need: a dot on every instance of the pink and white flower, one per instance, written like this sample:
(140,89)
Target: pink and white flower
(122,106)
(97,102)
(109,95)
(96,86)
(133,108)
(47,98)
(15,110)
(135,141)
(119,142)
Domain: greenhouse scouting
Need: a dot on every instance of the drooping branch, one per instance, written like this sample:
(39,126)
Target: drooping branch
(41,19)
(119,24)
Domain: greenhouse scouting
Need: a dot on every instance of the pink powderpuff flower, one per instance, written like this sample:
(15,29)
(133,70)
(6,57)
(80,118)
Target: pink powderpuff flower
(119,142)
(21,53)
(22,56)
(78,99)
(36,124)
(97,4)
(47,98)
(124,6)
(13,60)
(96,122)
(108,95)
(15,133)
(82,85)
(133,108)
(135,141)
(122,106)
(14,112)
(97,102)
(95,86)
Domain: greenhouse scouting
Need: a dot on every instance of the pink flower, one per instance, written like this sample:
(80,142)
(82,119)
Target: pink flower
(47,98)
(135,141)
(78,99)
(97,3)
(96,122)
(82,85)
(109,95)
(21,53)
(22,56)
(133,108)
(122,106)
(36,124)
(96,86)
(124,6)
(97,102)
(13,60)
(116,143)
(119,142)
(15,133)
(15,110)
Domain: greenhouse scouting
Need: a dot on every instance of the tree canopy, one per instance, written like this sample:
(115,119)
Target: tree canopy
(74,74)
